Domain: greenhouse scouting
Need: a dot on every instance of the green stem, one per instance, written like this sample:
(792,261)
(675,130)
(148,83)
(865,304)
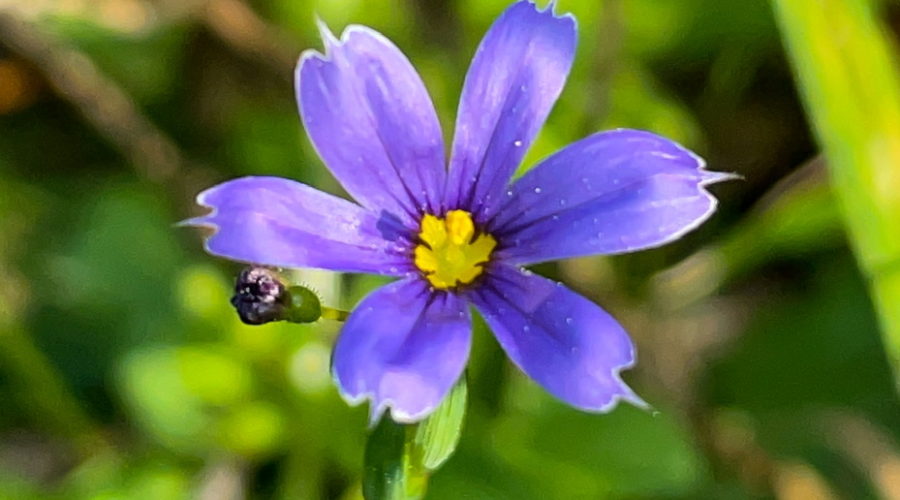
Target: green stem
(335,314)
(849,82)
(43,392)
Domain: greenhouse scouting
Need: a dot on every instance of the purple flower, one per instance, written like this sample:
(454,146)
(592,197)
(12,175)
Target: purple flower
(460,235)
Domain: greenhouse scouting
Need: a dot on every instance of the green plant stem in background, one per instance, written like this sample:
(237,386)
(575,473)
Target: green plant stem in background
(850,86)
(44,392)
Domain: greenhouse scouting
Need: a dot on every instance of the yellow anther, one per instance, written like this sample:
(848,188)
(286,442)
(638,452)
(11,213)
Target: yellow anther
(433,231)
(448,255)
(460,227)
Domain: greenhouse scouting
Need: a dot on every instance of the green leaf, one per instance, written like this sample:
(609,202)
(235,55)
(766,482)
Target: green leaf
(400,457)
(847,76)
(389,470)
(436,438)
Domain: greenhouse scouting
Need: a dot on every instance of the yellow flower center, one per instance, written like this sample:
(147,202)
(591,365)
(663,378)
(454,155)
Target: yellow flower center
(450,255)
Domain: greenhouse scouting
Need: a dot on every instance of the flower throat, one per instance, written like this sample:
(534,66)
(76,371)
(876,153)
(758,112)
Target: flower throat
(450,254)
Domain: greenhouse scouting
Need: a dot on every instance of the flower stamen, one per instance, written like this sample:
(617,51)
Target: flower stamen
(450,253)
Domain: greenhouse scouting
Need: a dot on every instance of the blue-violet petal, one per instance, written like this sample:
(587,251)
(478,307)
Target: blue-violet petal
(563,341)
(403,348)
(516,75)
(613,192)
(371,120)
(279,222)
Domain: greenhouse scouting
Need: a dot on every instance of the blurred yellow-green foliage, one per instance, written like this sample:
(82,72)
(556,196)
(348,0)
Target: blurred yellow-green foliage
(124,373)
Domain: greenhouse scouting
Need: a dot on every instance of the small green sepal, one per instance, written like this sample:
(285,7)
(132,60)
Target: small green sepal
(304,305)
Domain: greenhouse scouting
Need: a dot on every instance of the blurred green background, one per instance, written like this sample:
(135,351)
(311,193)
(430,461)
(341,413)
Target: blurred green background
(124,373)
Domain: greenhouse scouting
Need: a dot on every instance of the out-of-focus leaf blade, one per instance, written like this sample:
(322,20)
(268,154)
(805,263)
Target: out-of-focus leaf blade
(849,82)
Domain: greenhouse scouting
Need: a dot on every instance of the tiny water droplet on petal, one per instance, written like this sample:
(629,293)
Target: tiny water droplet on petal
(517,144)
(537,190)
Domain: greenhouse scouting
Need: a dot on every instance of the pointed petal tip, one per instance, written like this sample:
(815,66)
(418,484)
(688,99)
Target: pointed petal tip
(199,221)
(626,393)
(629,396)
(636,401)
(376,413)
(327,35)
(376,410)
(329,42)
(550,8)
(717,177)
(555,13)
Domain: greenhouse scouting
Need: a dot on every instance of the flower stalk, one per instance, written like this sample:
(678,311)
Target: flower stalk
(334,314)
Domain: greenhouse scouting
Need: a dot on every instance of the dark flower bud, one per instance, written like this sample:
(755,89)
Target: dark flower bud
(259,296)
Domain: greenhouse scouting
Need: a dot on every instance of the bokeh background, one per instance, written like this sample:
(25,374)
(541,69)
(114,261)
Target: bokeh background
(124,374)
